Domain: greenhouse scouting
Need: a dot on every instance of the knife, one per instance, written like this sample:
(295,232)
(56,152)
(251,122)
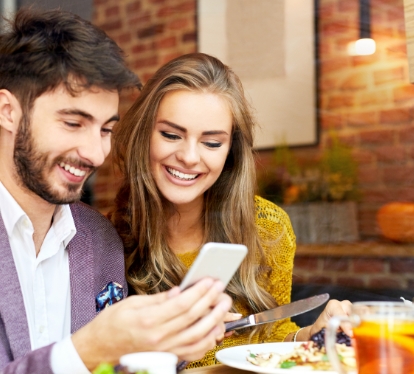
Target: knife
(281,312)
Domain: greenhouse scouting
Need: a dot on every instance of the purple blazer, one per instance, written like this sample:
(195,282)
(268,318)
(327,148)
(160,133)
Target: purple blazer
(95,259)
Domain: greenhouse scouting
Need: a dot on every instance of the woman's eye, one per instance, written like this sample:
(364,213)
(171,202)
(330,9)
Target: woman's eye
(168,135)
(213,145)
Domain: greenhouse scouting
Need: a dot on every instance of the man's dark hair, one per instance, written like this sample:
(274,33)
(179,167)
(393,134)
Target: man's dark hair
(39,50)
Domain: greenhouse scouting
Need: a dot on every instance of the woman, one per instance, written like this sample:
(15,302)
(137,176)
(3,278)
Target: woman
(185,150)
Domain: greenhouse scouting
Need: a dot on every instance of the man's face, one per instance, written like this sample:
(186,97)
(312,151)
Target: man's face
(63,141)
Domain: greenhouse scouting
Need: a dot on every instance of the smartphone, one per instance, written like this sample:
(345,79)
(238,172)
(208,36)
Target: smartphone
(215,260)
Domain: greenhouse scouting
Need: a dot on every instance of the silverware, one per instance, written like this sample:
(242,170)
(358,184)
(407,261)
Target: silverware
(281,312)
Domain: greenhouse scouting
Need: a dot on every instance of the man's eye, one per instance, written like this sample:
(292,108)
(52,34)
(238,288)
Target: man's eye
(213,145)
(168,135)
(72,124)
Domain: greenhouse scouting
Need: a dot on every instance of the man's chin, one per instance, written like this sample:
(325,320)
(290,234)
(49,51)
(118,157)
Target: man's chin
(61,198)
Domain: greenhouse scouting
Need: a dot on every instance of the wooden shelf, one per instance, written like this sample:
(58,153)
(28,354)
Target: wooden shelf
(359,249)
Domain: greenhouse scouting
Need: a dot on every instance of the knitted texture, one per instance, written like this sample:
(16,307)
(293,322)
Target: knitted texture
(279,244)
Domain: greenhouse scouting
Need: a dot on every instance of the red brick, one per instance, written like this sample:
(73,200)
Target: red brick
(377,137)
(332,28)
(364,60)
(390,282)
(406,135)
(151,31)
(368,265)
(410,285)
(139,48)
(178,24)
(397,50)
(333,65)
(335,264)
(369,175)
(327,83)
(112,11)
(363,156)
(123,38)
(320,279)
(388,75)
(331,121)
(170,57)
(401,194)
(362,119)
(397,115)
(341,101)
(356,81)
(166,11)
(300,279)
(373,98)
(402,265)
(351,281)
(144,62)
(111,26)
(375,195)
(133,7)
(187,6)
(348,6)
(390,154)
(326,10)
(404,93)
(166,43)
(189,37)
(305,263)
(399,174)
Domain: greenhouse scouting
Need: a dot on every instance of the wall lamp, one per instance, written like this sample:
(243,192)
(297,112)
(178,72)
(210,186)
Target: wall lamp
(365,45)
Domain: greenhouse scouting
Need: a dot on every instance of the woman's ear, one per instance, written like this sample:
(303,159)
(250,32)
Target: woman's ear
(10,111)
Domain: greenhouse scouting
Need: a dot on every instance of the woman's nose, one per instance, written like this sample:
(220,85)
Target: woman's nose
(189,154)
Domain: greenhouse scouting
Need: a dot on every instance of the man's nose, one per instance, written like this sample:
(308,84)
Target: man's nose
(94,149)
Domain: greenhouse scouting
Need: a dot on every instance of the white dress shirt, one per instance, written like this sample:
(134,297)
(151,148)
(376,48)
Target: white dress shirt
(44,280)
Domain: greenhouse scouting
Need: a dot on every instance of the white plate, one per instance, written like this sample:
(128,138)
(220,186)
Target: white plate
(236,358)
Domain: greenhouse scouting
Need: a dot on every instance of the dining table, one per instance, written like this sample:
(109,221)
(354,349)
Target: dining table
(215,369)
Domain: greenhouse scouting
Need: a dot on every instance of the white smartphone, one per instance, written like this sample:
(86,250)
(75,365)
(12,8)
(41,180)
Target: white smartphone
(217,261)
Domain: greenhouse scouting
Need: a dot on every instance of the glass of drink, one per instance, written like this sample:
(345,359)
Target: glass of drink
(383,337)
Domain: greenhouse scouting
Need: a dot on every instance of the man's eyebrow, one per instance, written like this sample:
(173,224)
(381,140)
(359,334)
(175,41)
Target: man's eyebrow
(174,125)
(88,116)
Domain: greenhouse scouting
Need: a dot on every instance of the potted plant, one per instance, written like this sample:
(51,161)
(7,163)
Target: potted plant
(318,195)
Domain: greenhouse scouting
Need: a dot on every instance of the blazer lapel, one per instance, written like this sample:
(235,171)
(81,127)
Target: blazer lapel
(81,268)
(12,308)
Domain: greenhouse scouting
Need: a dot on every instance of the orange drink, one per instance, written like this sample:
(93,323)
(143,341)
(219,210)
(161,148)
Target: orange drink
(383,338)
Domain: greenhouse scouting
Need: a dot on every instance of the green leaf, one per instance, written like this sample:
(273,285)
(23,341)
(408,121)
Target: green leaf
(252,355)
(287,364)
(104,369)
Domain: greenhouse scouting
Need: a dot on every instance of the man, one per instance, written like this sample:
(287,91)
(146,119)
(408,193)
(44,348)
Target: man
(61,262)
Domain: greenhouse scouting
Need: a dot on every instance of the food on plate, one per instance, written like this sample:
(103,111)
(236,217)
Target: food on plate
(309,355)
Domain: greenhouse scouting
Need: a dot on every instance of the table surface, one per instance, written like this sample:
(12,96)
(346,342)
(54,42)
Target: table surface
(215,369)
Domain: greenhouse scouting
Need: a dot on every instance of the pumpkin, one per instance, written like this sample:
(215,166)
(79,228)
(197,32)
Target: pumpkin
(396,221)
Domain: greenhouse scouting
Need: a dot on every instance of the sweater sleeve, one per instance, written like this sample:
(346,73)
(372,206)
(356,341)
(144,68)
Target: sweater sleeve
(279,243)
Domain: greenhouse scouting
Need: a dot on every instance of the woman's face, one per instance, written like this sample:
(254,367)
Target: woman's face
(189,144)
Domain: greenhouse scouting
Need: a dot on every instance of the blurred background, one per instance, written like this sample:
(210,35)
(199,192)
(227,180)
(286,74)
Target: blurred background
(348,188)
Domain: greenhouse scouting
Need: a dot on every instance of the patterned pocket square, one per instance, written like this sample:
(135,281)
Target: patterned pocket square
(110,294)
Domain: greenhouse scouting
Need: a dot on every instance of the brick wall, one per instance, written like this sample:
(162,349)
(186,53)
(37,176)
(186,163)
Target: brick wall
(151,32)
(367,100)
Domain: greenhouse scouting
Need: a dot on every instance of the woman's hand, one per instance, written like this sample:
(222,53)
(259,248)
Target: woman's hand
(333,308)
(228,318)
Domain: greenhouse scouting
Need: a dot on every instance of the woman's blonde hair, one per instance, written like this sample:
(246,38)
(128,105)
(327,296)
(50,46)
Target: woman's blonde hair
(229,208)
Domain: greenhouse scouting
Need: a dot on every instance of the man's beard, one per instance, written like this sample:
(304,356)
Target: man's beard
(32,168)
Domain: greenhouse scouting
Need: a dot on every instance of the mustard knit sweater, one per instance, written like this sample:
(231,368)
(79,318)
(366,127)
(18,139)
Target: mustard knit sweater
(279,244)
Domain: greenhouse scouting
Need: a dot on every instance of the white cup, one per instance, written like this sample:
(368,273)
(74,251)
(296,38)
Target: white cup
(152,362)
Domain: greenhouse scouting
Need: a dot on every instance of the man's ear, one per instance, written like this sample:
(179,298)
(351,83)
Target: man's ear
(10,111)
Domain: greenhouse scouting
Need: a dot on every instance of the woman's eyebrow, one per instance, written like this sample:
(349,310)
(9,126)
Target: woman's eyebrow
(183,129)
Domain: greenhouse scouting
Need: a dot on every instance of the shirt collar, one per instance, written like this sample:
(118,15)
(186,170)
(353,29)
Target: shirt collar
(12,213)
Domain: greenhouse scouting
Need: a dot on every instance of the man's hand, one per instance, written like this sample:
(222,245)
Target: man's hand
(186,323)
